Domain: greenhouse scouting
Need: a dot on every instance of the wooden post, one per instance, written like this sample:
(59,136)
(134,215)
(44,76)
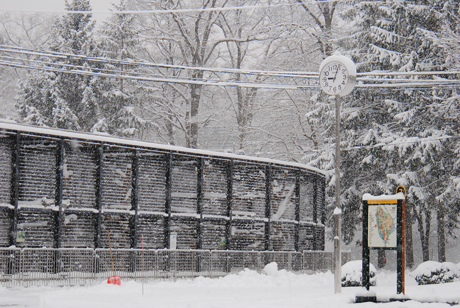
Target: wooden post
(402,265)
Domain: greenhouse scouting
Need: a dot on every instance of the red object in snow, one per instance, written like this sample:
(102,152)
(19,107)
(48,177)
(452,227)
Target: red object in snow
(114,280)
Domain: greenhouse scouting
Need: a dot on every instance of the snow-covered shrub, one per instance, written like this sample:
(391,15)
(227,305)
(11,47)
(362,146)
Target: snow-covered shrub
(433,272)
(271,269)
(352,274)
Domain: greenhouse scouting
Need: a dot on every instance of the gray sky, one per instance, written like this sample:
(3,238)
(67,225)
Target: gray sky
(50,5)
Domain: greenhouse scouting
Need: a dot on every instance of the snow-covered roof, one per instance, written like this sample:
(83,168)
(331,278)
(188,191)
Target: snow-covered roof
(398,196)
(68,134)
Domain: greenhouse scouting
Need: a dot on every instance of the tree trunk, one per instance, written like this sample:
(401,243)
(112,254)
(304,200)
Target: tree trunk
(424,233)
(426,242)
(441,234)
(192,127)
(381,258)
(409,241)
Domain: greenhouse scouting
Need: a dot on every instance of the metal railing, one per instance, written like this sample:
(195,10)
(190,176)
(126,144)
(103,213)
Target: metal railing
(67,267)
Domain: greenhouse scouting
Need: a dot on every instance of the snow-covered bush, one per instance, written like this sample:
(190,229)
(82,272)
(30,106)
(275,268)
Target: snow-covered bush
(433,272)
(352,274)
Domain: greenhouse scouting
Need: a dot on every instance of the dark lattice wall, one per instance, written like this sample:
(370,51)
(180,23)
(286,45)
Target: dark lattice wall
(6,169)
(152,182)
(62,190)
(79,176)
(5,226)
(78,229)
(152,228)
(184,186)
(214,234)
(5,188)
(37,169)
(215,188)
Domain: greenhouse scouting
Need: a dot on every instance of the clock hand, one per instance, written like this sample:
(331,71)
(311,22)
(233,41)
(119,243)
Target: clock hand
(335,76)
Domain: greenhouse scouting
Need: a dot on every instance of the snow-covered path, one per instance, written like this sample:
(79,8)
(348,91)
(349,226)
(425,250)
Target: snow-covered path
(245,289)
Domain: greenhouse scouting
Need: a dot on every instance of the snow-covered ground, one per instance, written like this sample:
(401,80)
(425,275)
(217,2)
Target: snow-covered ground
(269,289)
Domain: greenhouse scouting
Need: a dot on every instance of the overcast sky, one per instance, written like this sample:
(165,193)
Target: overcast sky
(50,5)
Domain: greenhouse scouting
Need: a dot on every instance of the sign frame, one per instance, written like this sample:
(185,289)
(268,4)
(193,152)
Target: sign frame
(397,200)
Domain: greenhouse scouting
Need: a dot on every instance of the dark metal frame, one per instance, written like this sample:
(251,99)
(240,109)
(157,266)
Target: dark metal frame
(400,243)
(169,155)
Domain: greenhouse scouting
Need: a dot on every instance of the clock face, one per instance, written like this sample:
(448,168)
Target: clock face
(334,78)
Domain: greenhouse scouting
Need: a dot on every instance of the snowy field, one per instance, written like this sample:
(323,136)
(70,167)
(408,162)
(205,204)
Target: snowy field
(270,289)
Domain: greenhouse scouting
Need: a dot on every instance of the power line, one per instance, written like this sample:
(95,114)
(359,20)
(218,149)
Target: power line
(365,80)
(222,83)
(393,143)
(176,11)
(64,56)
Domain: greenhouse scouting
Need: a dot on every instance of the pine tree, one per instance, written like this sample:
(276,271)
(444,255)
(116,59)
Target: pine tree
(118,98)
(56,99)
(398,136)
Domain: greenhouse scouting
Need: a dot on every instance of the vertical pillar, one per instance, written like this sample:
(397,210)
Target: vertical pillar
(135,199)
(365,272)
(167,229)
(268,205)
(337,252)
(338,211)
(315,199)
(297,211)
(100,161)
(401,252)
(315,212)
(323,205)
(15,188)
(229,204)
(199,195)
(59,191)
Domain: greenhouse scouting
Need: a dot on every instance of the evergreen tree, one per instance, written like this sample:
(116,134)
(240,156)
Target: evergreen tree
(393,137)
(56,99)
(118,98)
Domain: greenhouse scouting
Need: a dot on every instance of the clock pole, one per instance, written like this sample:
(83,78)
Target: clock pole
(341,84)
(338,208)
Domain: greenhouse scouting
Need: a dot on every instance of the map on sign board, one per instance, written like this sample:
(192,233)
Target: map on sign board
(382,225)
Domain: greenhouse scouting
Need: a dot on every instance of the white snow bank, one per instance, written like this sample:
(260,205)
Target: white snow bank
(352,274)
(246,289)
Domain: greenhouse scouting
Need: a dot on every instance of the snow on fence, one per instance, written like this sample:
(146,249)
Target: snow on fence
(62,189)
(68,267)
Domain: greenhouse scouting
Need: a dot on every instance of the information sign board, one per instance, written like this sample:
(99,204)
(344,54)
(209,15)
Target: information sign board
(382,223)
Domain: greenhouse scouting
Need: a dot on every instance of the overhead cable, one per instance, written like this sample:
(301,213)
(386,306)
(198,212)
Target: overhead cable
(307,80)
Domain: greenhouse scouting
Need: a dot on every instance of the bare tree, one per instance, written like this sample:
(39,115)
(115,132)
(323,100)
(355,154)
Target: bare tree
(30,31)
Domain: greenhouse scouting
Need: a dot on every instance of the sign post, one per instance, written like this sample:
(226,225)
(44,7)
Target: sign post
(383,228)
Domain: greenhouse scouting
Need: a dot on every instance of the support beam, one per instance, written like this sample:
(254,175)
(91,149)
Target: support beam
(60,156)
(315,212)
(100,163)
(229,204)
(199,197)
(297,211)
(135,199)
(15,187)
(268,205)
(167,227)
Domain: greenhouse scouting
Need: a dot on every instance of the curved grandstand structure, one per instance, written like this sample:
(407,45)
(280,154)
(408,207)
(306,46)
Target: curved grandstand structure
(63,189)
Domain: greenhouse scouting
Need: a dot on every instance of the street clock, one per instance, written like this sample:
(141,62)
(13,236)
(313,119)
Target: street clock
(337,75)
